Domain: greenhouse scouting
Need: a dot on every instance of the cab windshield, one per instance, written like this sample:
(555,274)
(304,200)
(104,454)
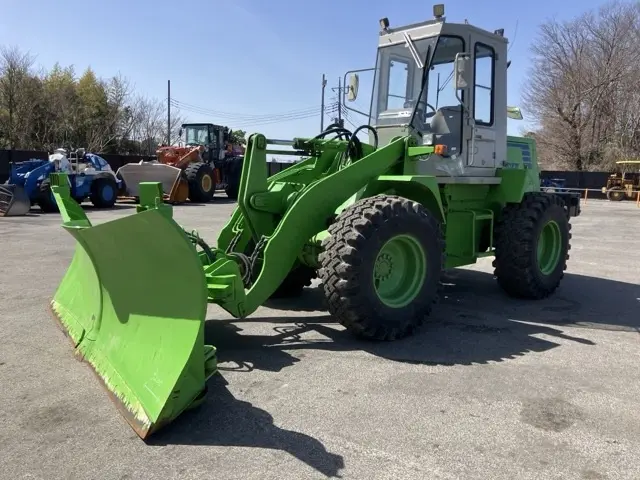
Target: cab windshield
(399,80)
(197,135)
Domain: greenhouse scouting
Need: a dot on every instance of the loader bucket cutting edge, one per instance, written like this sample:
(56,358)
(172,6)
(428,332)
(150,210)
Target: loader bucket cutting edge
(14,201)
(134,301)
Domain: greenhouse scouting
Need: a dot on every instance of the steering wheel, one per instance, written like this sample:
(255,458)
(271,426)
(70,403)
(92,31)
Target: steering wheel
(411,103)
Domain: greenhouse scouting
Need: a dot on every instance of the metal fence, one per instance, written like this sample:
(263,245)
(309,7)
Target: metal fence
(597,193)
(590,183)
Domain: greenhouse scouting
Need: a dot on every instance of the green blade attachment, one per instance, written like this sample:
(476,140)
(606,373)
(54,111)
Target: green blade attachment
(134,303)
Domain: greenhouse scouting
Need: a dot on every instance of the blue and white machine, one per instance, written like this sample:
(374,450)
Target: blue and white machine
(90,177)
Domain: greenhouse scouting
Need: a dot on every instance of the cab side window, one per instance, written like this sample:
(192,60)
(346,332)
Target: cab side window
(398,84)
(484,83)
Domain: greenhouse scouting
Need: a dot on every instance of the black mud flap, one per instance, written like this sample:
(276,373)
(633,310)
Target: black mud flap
(14,201)
(571,202)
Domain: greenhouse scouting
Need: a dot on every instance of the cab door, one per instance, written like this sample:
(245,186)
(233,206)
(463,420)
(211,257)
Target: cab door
(482,144)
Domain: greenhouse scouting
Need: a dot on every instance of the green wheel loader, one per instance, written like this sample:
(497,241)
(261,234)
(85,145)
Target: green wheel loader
(436,187)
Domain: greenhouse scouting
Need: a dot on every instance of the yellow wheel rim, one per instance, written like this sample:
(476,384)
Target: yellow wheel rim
(206,183)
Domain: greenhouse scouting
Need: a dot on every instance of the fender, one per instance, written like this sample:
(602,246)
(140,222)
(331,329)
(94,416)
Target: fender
(420,188)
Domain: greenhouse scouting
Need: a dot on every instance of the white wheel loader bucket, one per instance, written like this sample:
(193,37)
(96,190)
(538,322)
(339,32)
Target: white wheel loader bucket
(134,173)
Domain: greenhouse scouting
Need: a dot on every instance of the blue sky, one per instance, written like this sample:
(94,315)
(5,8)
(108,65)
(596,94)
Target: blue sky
(245,58)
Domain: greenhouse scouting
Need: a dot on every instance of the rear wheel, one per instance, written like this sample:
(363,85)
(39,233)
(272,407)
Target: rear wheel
(381,266)
(202,185)
(615,194)
(531,246)
(233,173)
(104,192)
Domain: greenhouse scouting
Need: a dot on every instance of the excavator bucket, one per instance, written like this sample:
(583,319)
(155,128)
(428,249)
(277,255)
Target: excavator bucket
(133,301)
(14,201)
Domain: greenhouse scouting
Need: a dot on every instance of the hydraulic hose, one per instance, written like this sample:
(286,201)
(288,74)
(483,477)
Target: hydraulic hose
(354,145)
(196,240)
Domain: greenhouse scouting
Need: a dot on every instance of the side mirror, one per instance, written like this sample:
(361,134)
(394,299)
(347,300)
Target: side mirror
(180,132)
(354,82)
(462,71)
(514,113)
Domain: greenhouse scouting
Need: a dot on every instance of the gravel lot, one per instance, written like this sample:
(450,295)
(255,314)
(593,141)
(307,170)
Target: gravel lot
(491,389)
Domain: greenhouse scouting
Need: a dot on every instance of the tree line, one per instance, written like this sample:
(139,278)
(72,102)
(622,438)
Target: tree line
(583,89)
(45,110)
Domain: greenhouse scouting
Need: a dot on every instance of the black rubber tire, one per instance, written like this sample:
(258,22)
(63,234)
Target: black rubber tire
(45,198)
(615,194)
(348,259)
(516,237)
(234,173)
(294,283)
(97,187)
(232,191)
(195,174)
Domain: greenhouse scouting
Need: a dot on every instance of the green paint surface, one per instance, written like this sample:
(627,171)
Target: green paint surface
(134,302)
(400,271)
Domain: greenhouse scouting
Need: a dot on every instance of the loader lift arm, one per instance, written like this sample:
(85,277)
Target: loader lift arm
(276,217)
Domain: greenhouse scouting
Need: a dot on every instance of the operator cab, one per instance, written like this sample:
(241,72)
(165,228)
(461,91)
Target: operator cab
(418,92)
(212,137)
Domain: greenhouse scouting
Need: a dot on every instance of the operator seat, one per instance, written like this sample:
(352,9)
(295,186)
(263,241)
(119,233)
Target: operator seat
(446,126)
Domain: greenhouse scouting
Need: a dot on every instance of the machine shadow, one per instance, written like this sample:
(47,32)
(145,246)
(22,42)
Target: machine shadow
(474,323)
(223,420)
(311,300)
(581,301)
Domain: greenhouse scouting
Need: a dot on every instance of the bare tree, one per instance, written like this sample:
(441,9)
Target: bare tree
(150,124)
(584,87)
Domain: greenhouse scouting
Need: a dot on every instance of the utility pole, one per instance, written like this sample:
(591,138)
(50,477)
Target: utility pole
(168,112)
(340,122)
(339,119)
(324,84)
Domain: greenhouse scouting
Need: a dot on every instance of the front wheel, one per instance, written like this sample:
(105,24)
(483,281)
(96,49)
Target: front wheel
(615,194)
(381,266)
(202,186)
(104,192)
(531,246)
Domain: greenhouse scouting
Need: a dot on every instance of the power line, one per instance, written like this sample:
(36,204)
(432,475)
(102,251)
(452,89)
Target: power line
(347,116)
(328,110)
(249,121)
(239,116)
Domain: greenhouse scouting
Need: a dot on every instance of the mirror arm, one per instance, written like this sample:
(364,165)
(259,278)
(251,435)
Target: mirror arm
(344,90)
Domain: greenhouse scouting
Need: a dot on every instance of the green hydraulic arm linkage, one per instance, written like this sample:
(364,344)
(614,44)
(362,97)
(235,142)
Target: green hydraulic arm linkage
(276,217)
